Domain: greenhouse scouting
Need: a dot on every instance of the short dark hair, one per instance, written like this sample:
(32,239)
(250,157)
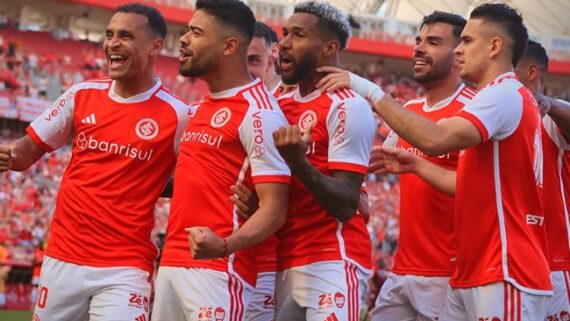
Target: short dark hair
(536,52)
(232,13)
(456,21)
(331,19)
(510,20)
(156,21)
(264,31)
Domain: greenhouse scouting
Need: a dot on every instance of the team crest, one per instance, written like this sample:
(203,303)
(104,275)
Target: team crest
(147,129)
(307,118)
(221,117)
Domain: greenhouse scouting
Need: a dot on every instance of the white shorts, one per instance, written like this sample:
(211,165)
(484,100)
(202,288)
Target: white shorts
(69,292)
(410,298)
(322,291)
(498,301)
(199,295)
(558,305)
(262,305)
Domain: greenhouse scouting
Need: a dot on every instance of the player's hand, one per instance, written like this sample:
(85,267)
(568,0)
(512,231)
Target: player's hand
(292,144)
(245,200)
(335,79)
(5,158)
(204,243)
(385,159)
(544,103)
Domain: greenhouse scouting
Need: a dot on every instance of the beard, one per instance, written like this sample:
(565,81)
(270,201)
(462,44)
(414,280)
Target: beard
(307,63)
(198,66)
(439,70)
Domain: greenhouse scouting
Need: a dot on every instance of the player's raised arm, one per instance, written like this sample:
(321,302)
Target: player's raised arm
(430,137)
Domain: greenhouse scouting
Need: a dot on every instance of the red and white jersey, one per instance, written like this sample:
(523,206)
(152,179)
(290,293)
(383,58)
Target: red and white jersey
(499,219)
(123,153)
(228,141)
(427,245)
(342,139)
(556,208)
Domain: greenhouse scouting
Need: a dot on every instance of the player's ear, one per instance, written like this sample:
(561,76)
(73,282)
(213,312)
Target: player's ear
(232,45)
(157,46)
(331,48)
(496,47)
(274,53)
(533,72)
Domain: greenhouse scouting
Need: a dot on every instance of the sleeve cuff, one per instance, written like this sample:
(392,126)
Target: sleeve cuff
(348,167)
(475,121)
(280,179)
(32,133)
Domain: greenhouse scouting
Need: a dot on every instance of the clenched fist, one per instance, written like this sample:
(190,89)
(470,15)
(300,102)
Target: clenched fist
(205,244)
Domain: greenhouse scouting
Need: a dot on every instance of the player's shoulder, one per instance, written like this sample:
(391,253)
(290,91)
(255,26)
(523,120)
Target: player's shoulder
(168,97)
(94,84)
(348,98)
(259,98)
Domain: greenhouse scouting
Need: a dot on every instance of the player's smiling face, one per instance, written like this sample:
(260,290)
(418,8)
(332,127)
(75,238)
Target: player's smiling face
(300,47)
(433,56)
(202,45)
(128,45)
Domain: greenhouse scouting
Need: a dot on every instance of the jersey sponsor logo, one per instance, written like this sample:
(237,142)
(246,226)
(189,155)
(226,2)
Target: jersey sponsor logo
(339,299)
(307,118)
(221,117)
(325,301)
(202,137)
(538,157)
(90,143)
(534,220)
(55,110)
(147,128)
(90,120)
(258,135)
(416,152)
(339,135)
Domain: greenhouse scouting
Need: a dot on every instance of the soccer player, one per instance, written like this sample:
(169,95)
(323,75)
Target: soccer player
(124,133)
(502,271)
(555,142)
(324,251)
(425,260)
(262,56)
(208,267)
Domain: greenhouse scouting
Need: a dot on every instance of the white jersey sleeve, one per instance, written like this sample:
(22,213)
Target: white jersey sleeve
(554,133)
(351,127)
(496,111)
(55,126)
(256,134)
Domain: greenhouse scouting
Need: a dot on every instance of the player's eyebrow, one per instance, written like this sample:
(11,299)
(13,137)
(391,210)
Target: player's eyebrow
(195,28)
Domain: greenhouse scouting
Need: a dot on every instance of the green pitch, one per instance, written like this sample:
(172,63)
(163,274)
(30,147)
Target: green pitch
(15,315)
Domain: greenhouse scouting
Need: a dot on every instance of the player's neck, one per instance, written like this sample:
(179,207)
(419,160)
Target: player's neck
(309,84)
(271,80)
(439,90)
(226,78)
(126,88)
(494,71)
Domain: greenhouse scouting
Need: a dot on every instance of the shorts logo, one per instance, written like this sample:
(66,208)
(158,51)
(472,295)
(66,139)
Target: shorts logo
(564,316)
(141,317)
(489,319)
(219,314)
(325,301)
(147,129)
(269,302)
(145,304)
(307,118)
(339,300)
(35,317)
(137,300)
(221,117)
(331,317)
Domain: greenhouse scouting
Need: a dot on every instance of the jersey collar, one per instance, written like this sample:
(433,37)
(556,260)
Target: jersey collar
(136,98)
(233,91)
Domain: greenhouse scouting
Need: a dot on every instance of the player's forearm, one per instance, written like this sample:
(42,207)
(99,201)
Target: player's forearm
(413,128)
(441,178)
(339,198)
(269,218)
(560,114)
(364,207)
(24,154)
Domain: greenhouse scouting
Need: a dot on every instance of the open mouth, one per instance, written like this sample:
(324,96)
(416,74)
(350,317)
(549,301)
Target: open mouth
(286,62)
(418,62)
(116,60)
(185,55)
